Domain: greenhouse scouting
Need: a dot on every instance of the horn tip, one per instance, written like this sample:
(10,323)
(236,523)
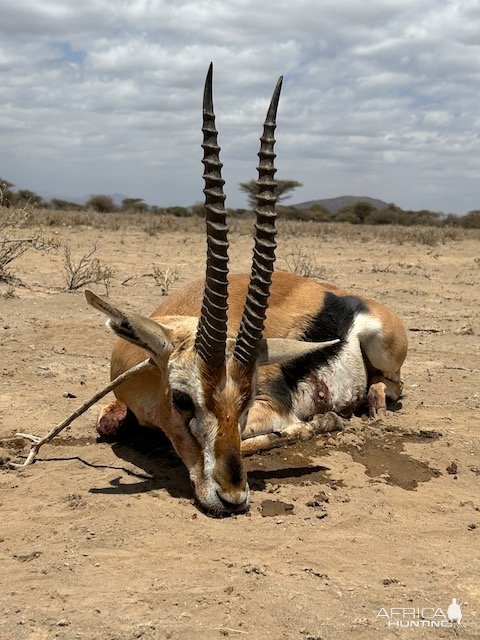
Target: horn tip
(208,91)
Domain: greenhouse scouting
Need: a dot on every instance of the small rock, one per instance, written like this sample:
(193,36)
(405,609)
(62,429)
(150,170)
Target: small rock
(68,394)
(465,330)
(255,568)
(63,623)
(452,469)
(315,573)
(388,581)
(318,500)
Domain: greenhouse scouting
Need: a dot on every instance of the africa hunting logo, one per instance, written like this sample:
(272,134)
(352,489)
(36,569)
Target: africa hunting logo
(422,617)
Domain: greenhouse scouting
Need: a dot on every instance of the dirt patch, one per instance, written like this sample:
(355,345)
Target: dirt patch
(102,541)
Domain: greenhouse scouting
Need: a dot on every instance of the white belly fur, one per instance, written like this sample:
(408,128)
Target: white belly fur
(342,383)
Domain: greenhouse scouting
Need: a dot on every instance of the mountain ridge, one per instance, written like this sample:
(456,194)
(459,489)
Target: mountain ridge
(335,204)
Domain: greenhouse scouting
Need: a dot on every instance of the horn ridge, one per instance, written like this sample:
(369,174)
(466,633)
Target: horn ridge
(256,303)
(211,335)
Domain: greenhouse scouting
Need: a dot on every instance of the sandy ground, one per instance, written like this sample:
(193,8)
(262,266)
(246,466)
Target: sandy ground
(101,541)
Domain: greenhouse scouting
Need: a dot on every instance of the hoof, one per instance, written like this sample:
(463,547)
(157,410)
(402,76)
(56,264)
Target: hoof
(327,423)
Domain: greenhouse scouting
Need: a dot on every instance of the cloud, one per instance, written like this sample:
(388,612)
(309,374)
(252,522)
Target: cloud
(380,98)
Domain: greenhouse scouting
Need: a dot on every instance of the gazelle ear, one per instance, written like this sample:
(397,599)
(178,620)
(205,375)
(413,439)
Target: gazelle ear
(280,350)
(139,330)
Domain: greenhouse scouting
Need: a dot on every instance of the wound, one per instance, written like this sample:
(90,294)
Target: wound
(111,421)
(322,398)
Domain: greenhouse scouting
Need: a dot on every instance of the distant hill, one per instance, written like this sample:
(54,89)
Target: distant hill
(335,204)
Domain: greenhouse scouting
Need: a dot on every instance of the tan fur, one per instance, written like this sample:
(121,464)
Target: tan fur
(227,393)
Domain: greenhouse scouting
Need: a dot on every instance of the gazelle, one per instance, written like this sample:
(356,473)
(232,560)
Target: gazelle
(247,362)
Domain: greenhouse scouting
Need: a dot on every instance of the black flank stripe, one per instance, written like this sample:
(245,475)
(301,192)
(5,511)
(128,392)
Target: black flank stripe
(333,321)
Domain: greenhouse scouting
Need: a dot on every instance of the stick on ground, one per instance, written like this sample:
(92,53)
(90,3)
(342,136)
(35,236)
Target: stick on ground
(39,442)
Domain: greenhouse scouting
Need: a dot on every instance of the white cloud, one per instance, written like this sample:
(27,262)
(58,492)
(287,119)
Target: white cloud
(380,98)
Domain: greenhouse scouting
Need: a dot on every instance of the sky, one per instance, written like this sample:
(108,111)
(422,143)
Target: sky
(380,98)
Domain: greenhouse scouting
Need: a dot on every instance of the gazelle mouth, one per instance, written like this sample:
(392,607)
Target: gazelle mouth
(223,509)
(234,507)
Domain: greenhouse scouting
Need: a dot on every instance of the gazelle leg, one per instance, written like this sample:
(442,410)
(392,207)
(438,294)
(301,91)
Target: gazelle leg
(376,399)
(382,387)
(290,433)
(266,417)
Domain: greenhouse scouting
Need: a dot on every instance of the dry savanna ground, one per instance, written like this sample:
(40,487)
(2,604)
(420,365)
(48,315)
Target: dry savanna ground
(345,533)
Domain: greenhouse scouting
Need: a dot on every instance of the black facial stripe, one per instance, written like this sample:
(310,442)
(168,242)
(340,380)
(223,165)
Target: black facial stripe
(234,467)
(333,321)
(183,402)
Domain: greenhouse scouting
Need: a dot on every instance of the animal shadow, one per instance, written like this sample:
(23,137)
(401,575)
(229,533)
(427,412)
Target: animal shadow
(151,451)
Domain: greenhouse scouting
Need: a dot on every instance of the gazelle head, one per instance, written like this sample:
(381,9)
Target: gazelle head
(202,383)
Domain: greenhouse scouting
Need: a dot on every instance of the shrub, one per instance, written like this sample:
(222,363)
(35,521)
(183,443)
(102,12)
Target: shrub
(102,204)
(304,264)
(13,248)
(88,270)
(471,220)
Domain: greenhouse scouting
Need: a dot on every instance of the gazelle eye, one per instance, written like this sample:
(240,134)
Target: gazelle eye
(183,402)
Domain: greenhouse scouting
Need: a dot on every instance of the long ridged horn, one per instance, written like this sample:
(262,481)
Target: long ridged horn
(253,319)
(212,327)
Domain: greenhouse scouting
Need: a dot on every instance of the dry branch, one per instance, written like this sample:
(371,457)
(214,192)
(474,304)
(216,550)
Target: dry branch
(87,270)
(39,442)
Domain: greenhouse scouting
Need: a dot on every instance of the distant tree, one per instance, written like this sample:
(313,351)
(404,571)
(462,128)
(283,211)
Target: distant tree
(471,220)
(64,205)
(179,212)
(357,213)
(450,220)
(236,212)
(283,190)
(346,214)
(363,209)
(137,205)
(101,203)
(316,212)
(391,214)
(24,196)
(6,195)
(424,217)
(198,209)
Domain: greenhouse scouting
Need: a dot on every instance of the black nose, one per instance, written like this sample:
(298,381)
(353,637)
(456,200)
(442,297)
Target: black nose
(234,507)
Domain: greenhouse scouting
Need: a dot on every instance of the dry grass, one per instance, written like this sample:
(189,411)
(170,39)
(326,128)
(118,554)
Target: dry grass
(304,264)
(430,236)
(164,278)
(154,224)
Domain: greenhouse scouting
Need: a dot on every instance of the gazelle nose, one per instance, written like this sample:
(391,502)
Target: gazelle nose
(237,503)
